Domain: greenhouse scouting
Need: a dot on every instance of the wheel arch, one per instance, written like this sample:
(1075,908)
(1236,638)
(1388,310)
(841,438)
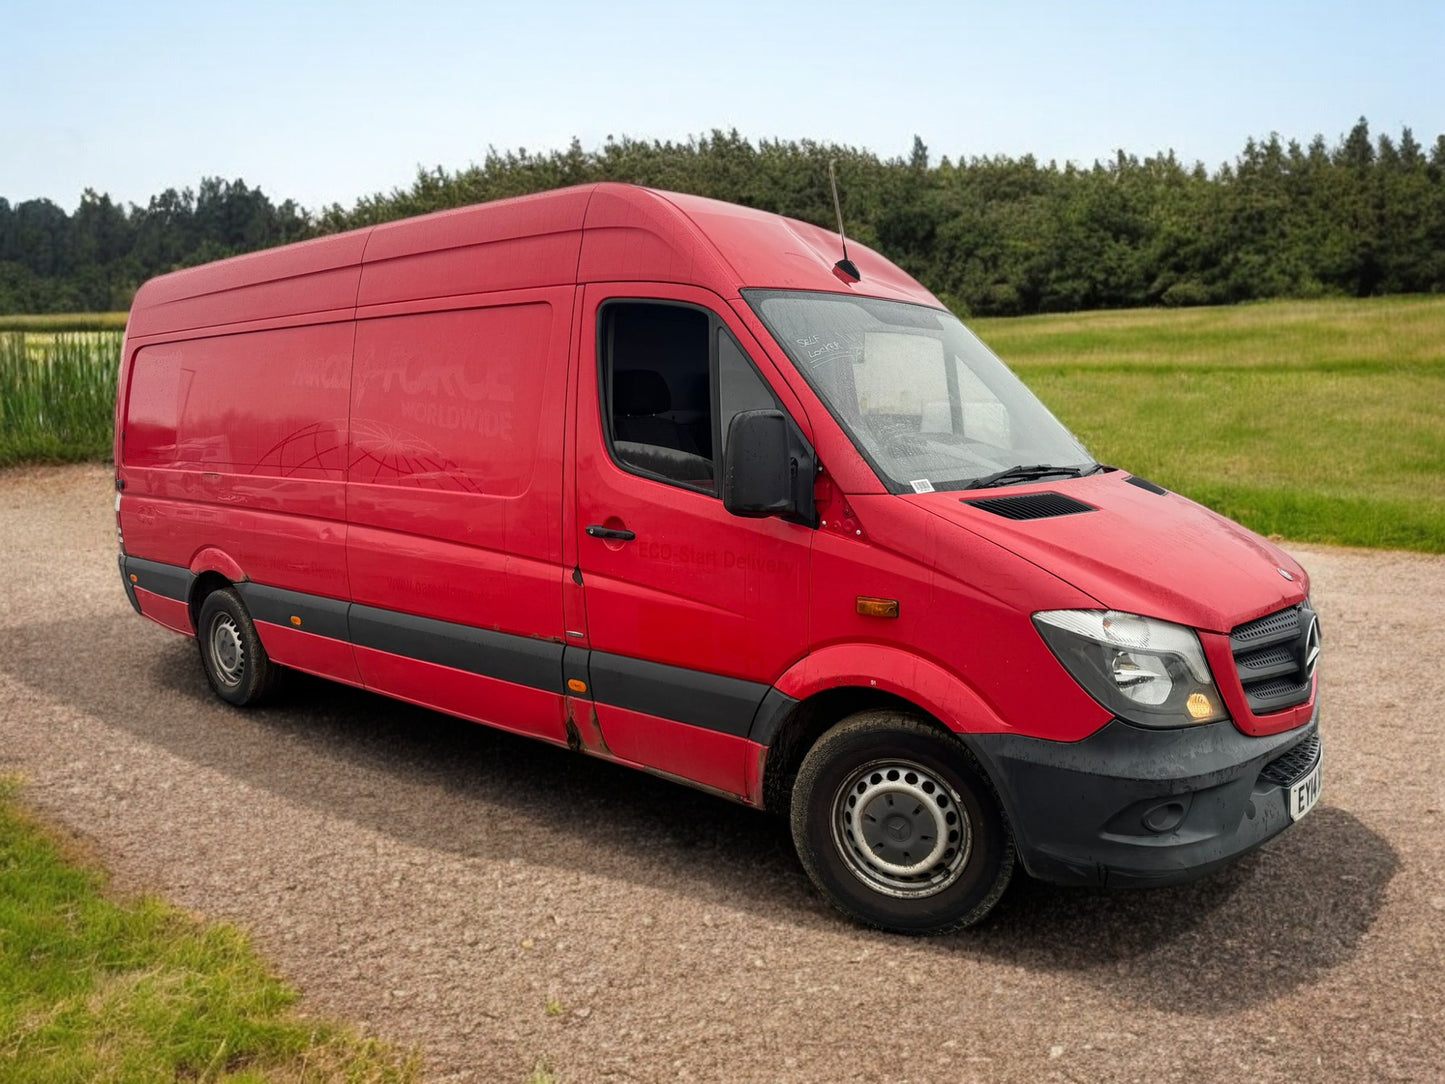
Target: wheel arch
(211,570)
(203,585)
(841,680)
(807,721)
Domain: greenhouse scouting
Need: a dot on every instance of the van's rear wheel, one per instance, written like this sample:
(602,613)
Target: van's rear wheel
(897,826)
(235,663)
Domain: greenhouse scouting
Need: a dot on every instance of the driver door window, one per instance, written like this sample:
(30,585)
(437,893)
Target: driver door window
(672,379)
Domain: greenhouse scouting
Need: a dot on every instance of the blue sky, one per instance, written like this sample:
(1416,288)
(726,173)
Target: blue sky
(325,102)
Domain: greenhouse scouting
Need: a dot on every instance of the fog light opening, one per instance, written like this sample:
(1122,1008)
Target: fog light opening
(1164,818)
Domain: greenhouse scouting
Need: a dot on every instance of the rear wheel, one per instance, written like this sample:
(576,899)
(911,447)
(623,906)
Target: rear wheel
(235,663)
(897,826)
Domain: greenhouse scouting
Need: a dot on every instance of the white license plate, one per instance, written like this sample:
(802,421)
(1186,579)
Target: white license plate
(1304,794)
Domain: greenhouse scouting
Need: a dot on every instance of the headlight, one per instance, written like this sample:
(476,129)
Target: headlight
(1149,672)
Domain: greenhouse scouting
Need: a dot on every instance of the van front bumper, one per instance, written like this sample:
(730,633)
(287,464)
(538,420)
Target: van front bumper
(1133,806)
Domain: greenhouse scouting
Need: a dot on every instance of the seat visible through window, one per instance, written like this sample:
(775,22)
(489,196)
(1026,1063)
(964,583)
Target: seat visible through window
(640,405)
(656,367)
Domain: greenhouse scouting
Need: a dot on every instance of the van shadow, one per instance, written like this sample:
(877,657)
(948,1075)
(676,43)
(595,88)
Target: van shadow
(1273,922)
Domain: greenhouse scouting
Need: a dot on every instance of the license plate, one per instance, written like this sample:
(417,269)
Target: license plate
(1304,794)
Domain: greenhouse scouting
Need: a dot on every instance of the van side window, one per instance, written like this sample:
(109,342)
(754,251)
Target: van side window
(656,386)
(672,379)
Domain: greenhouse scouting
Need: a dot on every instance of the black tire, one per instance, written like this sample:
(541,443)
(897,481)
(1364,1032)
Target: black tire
(235,663)
(898,826)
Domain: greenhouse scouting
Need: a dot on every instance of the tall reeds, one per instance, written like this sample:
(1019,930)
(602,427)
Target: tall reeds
(57,395)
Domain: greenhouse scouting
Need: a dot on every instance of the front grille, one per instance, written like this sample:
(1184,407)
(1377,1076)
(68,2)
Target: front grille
(1290,767)
(1275,657)
(1267,629)
(1280,691)
(1031,506)
(1270,661)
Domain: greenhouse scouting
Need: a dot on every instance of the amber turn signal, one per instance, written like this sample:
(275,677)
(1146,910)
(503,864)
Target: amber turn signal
(296,621)
(577,686)
(877,607)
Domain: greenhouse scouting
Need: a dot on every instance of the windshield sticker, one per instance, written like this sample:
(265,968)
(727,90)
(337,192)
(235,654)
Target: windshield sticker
(922,485)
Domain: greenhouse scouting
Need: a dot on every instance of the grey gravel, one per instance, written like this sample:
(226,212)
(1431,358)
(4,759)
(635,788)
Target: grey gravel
(502,904)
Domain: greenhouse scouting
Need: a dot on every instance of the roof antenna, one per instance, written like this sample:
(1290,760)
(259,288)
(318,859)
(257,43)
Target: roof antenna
(845,268)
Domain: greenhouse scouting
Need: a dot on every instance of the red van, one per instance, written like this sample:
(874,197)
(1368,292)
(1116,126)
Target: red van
(663,480)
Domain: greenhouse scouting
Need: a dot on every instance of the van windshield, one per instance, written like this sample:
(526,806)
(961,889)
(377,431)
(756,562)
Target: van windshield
(926,403)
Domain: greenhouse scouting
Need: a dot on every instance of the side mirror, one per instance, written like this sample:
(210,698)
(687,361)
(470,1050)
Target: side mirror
(768,468)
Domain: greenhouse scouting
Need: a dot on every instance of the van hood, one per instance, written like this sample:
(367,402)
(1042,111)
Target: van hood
(1137,550)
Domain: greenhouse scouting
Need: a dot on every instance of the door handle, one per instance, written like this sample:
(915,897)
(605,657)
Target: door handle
(597,531)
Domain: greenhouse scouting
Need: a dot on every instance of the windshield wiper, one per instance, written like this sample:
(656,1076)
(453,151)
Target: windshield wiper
(1021,472)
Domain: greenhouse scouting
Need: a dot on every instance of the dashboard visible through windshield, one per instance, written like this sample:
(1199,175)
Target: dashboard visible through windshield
(926,403)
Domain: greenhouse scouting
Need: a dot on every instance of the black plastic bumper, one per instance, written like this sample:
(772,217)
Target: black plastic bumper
(1132,806)
(129,586)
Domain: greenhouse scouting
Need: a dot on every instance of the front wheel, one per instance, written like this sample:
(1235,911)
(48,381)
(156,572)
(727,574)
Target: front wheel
(235,663)
(897,826)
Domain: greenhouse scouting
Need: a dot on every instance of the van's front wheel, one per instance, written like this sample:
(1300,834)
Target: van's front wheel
(235,663)
(897,826)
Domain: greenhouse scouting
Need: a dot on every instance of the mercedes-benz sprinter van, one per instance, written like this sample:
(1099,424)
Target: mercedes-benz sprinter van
(666,481)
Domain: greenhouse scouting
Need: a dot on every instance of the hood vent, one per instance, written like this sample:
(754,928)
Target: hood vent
(1144,483)
(1031,506)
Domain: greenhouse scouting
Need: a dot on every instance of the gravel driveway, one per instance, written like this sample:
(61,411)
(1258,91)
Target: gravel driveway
(503,904)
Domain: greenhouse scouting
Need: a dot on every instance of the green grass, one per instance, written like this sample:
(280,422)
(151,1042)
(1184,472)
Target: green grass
(95,988)
(57,395)
(65,321)
(1335,334)
(1314,421)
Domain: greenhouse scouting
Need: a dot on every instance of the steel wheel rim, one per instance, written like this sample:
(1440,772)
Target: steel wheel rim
(901,829)
(227,650)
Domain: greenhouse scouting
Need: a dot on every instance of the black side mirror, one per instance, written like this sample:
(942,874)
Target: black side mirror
(768,468)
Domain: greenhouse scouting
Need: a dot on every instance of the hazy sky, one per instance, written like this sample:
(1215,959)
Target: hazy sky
(324,102)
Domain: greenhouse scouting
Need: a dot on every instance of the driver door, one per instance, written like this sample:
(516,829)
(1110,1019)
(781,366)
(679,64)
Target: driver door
(691,612)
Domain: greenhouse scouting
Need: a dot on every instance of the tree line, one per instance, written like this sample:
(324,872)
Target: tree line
(988,235)
(92,260)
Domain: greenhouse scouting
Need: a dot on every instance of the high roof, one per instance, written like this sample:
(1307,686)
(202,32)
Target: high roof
(592,233)
(726,247)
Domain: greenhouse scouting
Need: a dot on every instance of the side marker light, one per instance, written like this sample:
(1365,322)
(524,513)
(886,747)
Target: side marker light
(577,686)
(877,607)
(296,621)
(134,578)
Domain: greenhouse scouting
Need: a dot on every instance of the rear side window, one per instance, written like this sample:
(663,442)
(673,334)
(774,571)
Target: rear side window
(672,377)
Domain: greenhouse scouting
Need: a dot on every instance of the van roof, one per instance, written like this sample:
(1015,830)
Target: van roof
(592,233)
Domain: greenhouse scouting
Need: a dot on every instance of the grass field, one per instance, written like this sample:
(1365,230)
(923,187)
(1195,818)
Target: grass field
(65,321)
(95,988)
(1320,421)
